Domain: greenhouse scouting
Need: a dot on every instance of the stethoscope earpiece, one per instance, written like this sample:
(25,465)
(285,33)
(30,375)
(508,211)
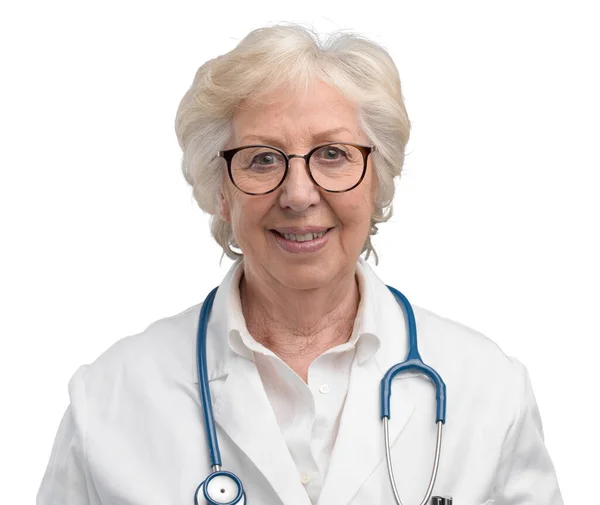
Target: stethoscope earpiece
(220,488)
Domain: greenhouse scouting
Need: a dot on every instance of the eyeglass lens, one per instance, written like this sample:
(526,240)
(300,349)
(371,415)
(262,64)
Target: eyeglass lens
(335,167)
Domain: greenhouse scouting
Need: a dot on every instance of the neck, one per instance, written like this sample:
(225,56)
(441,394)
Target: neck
(299,325)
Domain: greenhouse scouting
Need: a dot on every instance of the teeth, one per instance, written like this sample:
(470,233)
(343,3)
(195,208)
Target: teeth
(304,237)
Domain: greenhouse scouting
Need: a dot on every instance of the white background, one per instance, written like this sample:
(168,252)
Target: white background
(496,217)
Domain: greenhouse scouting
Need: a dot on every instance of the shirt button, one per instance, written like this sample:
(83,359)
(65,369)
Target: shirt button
(304,478)
(324,388)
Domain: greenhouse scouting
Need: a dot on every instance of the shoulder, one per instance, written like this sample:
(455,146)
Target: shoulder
(455,338)
(165,348)
(468,361)
(442,342)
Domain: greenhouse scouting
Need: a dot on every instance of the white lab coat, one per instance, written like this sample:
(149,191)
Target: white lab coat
(134,435)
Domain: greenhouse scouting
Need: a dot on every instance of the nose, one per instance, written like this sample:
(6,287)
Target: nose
(299,192)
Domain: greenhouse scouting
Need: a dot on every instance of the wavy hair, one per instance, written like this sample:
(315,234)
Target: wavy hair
(360,69)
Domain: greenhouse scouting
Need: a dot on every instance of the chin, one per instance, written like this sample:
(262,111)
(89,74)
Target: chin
(305,276)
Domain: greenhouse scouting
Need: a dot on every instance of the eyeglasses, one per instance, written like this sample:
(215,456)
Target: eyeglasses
(335,167)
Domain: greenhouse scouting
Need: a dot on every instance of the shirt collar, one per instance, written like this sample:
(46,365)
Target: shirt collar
(379,329)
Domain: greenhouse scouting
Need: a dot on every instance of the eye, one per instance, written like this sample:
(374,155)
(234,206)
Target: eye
(264,159)
(267,159)
(331,153)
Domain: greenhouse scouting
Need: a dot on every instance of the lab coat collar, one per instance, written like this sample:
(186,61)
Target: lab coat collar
(225,314)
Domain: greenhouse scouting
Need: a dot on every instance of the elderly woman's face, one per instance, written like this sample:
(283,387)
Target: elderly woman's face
(272,229)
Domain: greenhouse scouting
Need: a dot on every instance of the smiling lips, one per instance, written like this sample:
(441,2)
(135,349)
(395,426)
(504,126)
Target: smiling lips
(301,240)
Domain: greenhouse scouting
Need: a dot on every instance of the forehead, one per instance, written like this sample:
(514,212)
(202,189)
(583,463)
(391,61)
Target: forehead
(322,113)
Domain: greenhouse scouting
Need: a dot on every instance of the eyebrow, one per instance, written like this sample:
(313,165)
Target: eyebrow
(323,136)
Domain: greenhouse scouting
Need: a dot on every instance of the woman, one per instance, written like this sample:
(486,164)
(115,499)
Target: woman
(309,138)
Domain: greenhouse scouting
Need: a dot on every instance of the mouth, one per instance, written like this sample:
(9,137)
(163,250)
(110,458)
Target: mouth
(301,240)
(304,236)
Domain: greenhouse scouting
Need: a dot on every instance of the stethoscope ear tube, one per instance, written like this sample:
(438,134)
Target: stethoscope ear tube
(436,462)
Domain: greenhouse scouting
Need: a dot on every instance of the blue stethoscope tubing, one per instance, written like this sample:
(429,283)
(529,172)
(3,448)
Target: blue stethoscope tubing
(225,488)
(413,362)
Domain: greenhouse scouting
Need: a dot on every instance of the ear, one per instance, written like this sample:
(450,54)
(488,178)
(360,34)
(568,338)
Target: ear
(224,210)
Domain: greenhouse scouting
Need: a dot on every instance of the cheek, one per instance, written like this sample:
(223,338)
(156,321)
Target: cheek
(362,210)
(355,216)
(247,217)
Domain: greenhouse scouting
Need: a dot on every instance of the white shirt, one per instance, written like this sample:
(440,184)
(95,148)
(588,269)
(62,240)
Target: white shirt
(134,434)
(308,415)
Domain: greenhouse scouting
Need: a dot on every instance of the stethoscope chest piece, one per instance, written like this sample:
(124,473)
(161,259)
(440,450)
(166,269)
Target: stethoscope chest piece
(220,488)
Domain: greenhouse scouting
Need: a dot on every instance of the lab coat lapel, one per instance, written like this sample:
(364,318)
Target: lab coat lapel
(359,447)
(243,411)
(241,407)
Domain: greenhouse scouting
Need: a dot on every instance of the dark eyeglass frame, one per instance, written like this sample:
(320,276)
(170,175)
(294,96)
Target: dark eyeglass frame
(365,151)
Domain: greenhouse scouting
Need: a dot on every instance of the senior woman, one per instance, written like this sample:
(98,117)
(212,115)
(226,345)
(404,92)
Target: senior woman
(294,344)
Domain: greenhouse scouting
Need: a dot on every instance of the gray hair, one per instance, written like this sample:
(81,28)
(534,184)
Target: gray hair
(294,56)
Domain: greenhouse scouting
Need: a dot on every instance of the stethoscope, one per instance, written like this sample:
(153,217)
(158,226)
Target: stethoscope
(225,488)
